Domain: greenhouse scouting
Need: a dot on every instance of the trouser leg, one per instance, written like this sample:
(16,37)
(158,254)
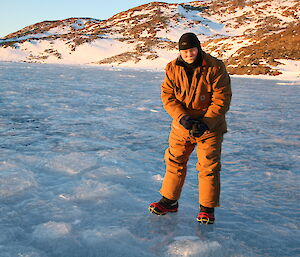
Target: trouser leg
(176,158)
(209,166)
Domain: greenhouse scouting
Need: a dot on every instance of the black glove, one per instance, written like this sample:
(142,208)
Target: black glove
(187,122)
(198,128)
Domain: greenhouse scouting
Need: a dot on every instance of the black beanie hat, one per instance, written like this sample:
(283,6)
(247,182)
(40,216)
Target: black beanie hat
(188,40)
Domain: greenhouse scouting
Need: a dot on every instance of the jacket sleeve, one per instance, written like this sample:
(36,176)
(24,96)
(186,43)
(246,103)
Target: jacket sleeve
(221,98)
(173,107)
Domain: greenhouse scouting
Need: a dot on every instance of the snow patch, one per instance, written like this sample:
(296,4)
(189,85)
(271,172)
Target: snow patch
(79,24)
(157,177)
(14,180)
(93,190)
(290,70)
(101,234)
(72,164)
(193,246)
(51,230)
(294,83)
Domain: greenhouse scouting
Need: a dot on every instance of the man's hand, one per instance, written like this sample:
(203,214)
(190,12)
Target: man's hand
(198,128)
(187,122)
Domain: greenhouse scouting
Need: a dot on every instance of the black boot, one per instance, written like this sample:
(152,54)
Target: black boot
(206,215)
(163,206)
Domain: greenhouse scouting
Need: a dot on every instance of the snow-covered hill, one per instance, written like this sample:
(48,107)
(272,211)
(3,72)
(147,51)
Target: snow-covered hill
(251,36)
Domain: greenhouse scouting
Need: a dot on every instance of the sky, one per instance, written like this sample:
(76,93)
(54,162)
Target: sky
(17,14)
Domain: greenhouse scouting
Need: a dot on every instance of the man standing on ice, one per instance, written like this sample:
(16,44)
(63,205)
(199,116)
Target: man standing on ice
(196,93)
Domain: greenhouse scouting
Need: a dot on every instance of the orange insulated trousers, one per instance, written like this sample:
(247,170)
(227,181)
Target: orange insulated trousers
(181,145)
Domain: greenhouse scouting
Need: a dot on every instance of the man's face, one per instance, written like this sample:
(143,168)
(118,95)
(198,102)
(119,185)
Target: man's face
(189,55)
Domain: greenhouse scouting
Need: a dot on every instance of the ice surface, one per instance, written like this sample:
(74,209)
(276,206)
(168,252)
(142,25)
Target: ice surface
(82,157)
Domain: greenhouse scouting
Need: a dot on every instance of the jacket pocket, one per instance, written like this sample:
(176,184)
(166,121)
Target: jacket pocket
(204,95)
(204,99)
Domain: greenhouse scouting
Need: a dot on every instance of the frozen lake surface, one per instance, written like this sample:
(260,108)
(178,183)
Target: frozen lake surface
(82,157)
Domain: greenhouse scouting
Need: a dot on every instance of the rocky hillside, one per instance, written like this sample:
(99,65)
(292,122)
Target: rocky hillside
(251,36)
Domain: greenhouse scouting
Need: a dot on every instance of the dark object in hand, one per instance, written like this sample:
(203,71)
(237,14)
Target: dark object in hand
(198,128)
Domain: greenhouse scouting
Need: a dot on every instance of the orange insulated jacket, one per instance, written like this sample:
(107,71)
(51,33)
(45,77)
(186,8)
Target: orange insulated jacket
(208,96)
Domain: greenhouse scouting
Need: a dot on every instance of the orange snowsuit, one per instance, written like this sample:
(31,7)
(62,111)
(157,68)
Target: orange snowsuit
(208,96)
